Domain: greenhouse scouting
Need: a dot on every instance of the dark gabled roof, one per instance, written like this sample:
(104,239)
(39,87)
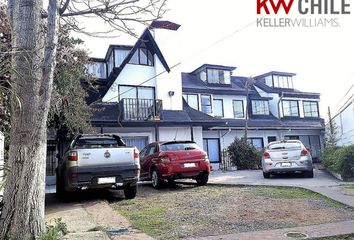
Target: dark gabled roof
(286,92)
(192,84)
(149,41)
(213,66)
(275,73)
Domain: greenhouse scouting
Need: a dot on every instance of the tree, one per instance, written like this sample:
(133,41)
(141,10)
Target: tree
(34,35)
(331,136)
(248,85)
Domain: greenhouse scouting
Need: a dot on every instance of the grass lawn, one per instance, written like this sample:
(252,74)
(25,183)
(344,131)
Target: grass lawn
(343,237)
(190,211)
(350,186)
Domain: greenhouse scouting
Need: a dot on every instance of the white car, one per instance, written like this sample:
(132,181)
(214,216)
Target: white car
(287,156)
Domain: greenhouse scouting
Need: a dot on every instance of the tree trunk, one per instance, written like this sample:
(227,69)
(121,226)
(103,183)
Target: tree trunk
(32,79)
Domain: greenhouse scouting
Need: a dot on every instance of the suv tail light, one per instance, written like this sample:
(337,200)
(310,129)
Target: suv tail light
(72,156)
(266,155)
(136,155)
(304,153)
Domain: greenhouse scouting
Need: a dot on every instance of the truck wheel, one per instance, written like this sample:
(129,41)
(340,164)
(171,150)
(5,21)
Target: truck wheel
(156,181)
(130,191)
(309,174)
(202,179)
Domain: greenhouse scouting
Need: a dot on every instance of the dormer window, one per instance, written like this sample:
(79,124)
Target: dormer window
(260,107)
(216,76)
(98,69)
(142,56)
(282,81)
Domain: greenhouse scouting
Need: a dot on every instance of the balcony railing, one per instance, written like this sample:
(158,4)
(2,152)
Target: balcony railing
(140,109)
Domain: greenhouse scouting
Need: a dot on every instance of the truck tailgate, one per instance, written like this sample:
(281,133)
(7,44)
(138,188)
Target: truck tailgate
(105,156)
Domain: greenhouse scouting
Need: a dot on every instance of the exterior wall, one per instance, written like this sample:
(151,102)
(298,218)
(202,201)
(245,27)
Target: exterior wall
(132,132)
(168,82)
(131,75)
(228,104)
(181,133)
(1,159)
(344,120)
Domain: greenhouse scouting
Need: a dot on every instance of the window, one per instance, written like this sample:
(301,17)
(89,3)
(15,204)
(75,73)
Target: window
(290,108)
(206,103)
(136,92)
(110,63)
(120,55)
(282,81)
(310,109)
(218,76)
(98,69)
(192,100)
(256,142)
(260,107)
(142,56)
(238,109)
(272,139)
(218,108)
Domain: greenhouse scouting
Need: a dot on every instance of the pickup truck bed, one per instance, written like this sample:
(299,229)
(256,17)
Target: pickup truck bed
(98,161)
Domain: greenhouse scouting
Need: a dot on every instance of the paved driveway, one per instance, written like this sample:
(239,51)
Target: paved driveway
(255,177)
(322,182)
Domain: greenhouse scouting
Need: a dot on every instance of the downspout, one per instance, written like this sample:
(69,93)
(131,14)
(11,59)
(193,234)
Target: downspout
(280,99)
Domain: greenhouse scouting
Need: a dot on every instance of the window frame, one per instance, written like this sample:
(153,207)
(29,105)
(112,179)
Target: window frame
(222,107)
(148,53)
(137,91)
(211,103)
(290,107)
(233,108)
(253,113)
(187,95)
(317,106)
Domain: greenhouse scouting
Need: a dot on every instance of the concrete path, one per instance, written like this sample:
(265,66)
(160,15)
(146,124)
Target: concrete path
(315,231)
(90,220)
(322,182)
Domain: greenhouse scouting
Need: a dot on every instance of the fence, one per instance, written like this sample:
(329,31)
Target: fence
(226,163)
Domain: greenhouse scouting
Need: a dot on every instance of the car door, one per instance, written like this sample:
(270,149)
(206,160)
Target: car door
(149,157)
(143,171)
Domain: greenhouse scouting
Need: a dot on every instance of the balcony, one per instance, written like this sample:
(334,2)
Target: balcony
(140,109)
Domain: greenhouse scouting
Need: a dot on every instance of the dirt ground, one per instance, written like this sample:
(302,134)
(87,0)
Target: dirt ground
(185,210)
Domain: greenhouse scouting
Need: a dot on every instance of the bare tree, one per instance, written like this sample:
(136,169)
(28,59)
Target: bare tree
(34,43)
(248,85)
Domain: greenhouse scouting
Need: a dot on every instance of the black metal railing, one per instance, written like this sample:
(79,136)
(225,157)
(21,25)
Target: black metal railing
(140,109)
(226,164)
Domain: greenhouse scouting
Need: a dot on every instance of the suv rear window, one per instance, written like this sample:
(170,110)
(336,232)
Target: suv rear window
(176,146)
(285,145)
(96,143)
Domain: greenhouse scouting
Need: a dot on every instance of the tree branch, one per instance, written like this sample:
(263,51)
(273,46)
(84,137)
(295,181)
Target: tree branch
(64,7)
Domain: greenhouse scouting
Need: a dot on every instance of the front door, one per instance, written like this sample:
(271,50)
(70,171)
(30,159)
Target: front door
(212,147)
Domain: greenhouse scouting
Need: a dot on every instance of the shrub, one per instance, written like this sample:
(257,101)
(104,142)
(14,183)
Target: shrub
(244,155)
(55,232)
(340,160)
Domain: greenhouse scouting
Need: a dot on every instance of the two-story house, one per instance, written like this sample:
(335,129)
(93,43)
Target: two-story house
(268,105)
(138,99)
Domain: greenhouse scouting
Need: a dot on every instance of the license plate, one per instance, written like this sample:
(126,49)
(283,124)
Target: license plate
(106,180)
(286,164)
(188,165)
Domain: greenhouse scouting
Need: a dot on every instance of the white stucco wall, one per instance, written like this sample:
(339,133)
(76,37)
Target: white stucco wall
(228,104)
(1,159)
(345,122)
(131,75)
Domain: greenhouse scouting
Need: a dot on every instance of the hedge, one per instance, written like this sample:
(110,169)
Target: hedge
(340,160)
(244,155)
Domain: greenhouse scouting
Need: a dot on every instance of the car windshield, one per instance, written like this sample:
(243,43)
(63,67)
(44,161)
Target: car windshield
(176,146)
(96,143)
(284,145)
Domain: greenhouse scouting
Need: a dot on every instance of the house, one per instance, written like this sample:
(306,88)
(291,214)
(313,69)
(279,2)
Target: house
(271,106)
(138,98)
(344,119)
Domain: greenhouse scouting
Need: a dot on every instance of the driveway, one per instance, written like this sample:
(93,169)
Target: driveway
(322,182)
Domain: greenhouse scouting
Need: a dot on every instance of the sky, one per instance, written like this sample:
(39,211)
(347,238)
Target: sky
(224,32)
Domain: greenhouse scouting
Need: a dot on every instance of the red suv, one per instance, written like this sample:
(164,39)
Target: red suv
(172,160)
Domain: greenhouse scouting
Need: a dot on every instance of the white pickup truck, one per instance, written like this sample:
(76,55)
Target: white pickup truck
(98,161)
